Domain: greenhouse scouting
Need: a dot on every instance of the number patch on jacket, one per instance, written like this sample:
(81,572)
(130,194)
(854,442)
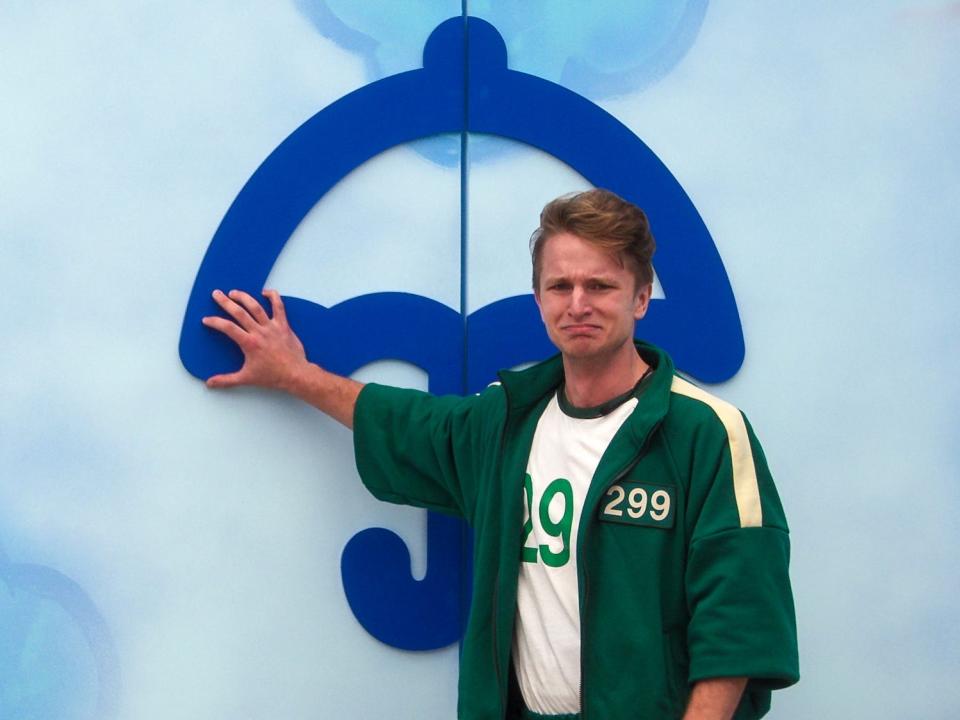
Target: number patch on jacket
(637,504)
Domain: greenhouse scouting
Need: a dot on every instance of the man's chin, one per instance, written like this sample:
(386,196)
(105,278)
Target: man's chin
(580,347)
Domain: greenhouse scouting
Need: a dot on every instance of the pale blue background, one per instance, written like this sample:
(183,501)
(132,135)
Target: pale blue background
(818,141)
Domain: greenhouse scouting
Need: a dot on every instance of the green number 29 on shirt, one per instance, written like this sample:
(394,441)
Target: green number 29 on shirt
(555,528)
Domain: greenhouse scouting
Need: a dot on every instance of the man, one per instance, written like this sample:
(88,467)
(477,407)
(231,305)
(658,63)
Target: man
(630,551)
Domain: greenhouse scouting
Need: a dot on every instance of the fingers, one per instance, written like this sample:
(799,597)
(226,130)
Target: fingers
(230,329)
(225,380)
(234,304)
(250,305)
(276,306)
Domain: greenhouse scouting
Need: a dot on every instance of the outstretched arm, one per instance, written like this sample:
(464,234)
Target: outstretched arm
(273,356)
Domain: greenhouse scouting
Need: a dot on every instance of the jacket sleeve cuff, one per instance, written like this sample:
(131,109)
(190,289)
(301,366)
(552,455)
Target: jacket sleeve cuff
(742,617)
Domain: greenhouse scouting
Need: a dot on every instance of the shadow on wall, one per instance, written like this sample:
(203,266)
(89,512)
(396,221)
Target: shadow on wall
(57,659)
(597,50)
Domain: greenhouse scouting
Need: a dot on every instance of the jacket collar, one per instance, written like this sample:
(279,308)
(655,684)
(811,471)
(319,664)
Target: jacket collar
(526,388)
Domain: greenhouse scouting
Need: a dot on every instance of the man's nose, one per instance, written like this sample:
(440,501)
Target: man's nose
(579,302)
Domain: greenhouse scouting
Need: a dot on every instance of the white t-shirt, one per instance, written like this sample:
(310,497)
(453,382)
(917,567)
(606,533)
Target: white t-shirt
(546,643)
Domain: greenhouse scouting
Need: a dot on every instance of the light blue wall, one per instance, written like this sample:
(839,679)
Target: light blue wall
(174,553)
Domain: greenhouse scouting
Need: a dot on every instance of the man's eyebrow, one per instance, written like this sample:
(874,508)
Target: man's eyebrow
(599,277)
(608,279)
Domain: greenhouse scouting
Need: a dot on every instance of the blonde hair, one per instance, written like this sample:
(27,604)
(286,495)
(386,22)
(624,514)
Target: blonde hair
(601,218)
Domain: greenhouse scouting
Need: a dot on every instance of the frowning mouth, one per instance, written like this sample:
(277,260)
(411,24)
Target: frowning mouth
(580,329)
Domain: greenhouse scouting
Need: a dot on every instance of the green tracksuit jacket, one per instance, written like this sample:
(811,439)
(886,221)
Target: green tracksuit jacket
(702,593)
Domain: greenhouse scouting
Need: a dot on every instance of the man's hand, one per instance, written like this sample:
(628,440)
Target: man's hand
(273,356)
(715,699)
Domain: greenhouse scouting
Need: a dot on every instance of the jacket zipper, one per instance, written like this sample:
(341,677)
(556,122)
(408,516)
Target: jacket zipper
(502,682)
(496,646)
(586,585)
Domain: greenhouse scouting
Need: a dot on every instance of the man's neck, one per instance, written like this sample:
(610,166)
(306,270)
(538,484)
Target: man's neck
(593,381)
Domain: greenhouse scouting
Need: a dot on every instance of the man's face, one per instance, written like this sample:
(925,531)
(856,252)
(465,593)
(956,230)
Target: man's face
(588,300)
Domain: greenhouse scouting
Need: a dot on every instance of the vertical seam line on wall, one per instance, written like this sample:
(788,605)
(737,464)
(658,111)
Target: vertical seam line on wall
(465,534)
(464,170)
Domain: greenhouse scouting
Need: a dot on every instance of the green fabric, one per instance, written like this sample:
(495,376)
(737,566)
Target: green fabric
(590,413)
(531,715)
(660,607)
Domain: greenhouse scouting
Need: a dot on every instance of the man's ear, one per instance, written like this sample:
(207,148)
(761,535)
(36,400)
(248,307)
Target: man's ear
(642,301)
(536,298)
